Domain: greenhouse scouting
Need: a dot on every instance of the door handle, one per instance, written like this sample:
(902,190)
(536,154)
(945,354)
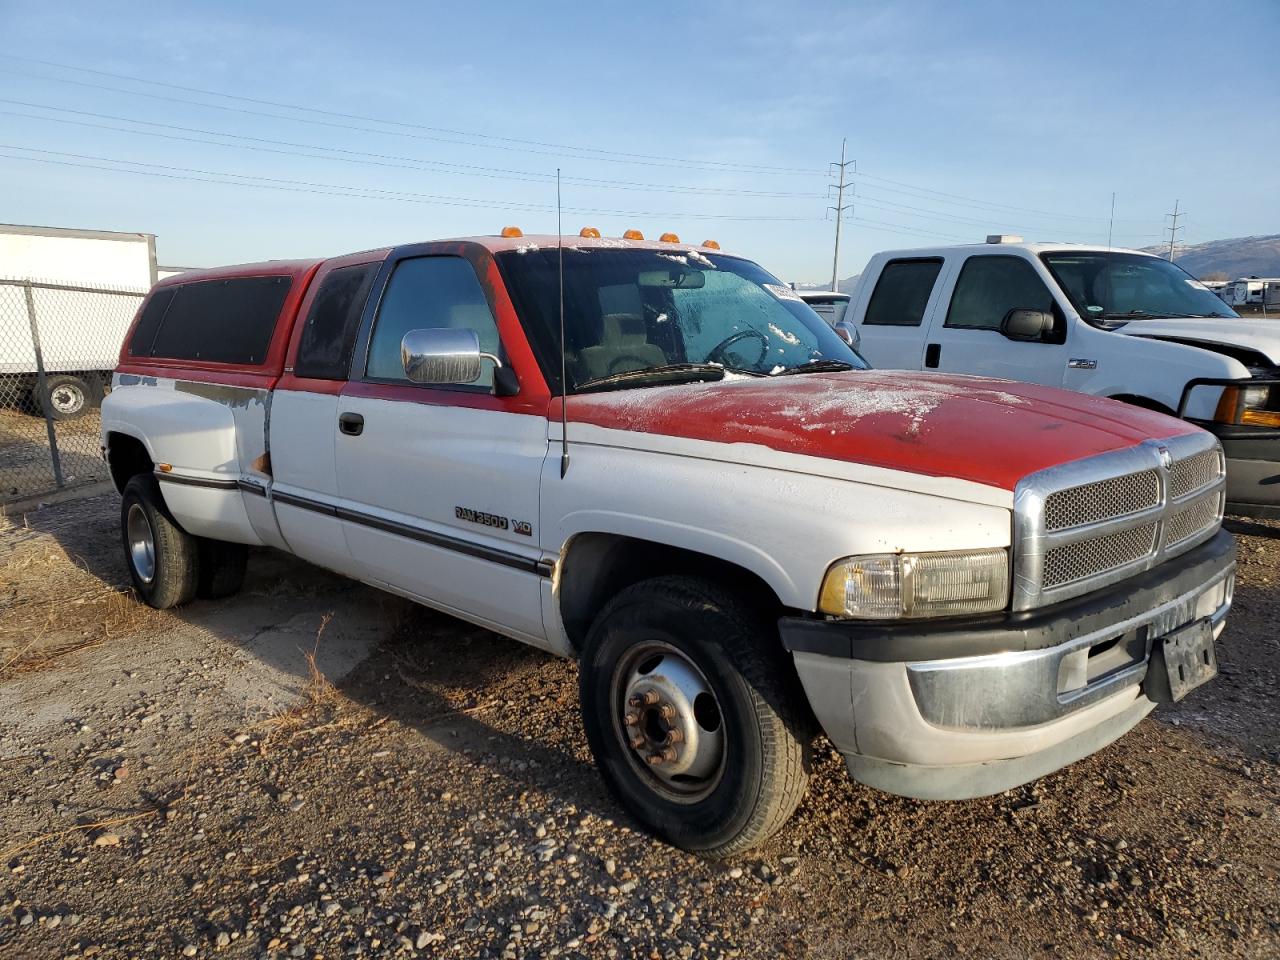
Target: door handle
(351,424)
(932,353)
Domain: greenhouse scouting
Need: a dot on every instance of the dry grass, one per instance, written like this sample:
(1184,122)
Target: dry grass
(51,606)
(319,699)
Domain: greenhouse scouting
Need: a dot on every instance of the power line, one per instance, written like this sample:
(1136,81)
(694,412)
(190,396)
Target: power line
(925,213)
(960,200)
(590,153)
(381,159)
(353,192)
(499,142)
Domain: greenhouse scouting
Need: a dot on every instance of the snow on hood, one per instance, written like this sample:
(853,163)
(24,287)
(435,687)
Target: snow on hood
(1262,336)
(992,432)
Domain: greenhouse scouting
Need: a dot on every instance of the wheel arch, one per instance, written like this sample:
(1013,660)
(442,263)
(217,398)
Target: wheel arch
(127,456)
(1147,403)
(595,566)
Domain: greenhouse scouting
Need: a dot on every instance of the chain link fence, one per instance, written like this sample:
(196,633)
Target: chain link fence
(58,345)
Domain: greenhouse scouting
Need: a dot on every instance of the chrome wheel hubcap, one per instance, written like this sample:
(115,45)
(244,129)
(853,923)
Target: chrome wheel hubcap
(142,544)
(669,719)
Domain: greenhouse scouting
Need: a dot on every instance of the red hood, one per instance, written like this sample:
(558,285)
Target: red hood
(993,432)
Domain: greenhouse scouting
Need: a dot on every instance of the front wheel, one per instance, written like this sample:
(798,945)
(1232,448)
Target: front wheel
(694,716)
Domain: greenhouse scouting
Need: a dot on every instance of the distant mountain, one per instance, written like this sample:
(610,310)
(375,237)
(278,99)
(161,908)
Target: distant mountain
(1231,259)
(848,285)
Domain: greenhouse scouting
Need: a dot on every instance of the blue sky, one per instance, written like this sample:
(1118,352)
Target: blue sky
(964,119)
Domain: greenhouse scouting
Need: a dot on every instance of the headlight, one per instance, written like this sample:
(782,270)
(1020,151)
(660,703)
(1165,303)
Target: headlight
(1247,405)
(891,585)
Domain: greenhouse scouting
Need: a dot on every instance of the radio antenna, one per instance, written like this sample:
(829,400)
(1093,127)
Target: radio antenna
(564,380)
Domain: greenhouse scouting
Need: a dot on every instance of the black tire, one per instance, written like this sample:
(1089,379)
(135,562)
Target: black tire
(174,564)
(221,568)
(71,397)
(767,727)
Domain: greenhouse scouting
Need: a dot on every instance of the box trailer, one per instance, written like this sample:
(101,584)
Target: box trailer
(73,293)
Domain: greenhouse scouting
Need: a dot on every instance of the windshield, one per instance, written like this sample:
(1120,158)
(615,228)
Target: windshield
(628,311)
(1130,286)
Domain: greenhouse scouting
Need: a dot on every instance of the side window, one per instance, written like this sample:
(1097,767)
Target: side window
(219,321)
(428,292)
(902,293)
(989,287)
(329,336)
(144,334)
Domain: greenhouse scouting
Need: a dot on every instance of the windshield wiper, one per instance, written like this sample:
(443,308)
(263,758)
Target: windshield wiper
(666,373)
(1128,315)
(817,366)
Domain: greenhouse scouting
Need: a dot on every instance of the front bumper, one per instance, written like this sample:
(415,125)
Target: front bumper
(962,708)
(1253,468)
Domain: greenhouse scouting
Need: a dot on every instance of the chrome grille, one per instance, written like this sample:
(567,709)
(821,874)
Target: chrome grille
(1091,502)
(1193,472)
(1088,558)
(1193,518)
(1091,522)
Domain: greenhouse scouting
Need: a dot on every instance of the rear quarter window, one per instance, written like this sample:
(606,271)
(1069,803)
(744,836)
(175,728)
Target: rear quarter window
(902,292)
(213,321)
(329,334)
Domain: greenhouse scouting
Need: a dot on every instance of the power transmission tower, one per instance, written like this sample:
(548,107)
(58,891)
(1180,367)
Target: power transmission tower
(841,168)
(1174,228)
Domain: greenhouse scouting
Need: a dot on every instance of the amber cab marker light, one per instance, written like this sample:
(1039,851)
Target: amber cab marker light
(512,232)
(591,233)
(711,244)
(633,235)
(668,238)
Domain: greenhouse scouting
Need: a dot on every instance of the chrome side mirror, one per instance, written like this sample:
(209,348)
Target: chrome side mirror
(847,332)
(443,355)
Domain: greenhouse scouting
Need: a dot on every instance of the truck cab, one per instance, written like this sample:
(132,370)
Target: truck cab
(1113,323)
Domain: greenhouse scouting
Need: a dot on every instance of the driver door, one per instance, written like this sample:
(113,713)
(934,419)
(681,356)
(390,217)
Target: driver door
(439,483)
(964,335)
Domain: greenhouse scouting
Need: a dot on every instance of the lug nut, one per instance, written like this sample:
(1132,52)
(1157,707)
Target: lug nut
(631,719)
(667,712)
(637,742)
(675,736)
(650,697)
(655,759)
(669,754)
(635,702)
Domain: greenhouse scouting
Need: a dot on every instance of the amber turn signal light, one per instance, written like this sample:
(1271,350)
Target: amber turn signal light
(633,235)
(512,232)
(1261,418)
(711,244)
(590,233)
(668,238)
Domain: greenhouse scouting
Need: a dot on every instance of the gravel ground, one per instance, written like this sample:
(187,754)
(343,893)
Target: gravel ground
(313,769)
(26,468)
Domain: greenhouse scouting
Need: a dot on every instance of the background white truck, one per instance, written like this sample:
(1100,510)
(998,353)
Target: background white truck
(84,287)
(1113,323)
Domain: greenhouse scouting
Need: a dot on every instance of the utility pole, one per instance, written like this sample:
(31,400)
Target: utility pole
(839,208)
(1174,228)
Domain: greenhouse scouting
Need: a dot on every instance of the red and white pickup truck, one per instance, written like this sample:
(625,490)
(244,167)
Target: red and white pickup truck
(965,583)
